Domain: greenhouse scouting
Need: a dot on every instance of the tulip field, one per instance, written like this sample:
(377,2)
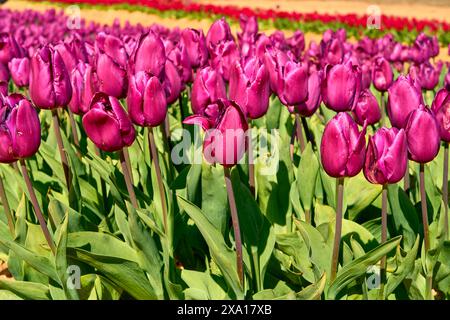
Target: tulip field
(142,162)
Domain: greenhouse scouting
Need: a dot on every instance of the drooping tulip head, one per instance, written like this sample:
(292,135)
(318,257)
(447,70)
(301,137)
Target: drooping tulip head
(422,133)
(386,156)
(208,87)
(107,124)
(49,80)
(342,147)
(382,74)
(367,109)
(20,129)
(441,109)
(8,48)
(250,87)
(341,86)
(404,96)
(147,104)
(429,75)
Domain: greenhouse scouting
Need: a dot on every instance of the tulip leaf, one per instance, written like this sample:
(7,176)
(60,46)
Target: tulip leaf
(202,286)
(26,290)
(306,176)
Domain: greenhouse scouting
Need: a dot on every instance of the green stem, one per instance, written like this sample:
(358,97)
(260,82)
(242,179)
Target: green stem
(338,228)
(251,164)
(445,190)
(426,234)
(73,126)
(6,207)
(62,152)
(299,133)
(383,238)
(128,182)
(236,228)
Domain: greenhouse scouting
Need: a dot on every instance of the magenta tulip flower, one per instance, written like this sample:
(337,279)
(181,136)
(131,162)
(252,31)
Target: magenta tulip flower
(441,109)
(20,71)
(111,65)
(9,48)
(20,129)
(404,96)
(218,32)
(172,82)
(208,87)
(341,86)
(84,86)
(147,104)
(309,107)
(382,76)
(422,132)
(50,86)
(107,124)
(342,147)
(367,109)
(3,88)
(366,75)
(149,56)
(386,156)
(429,75)
(195,43)
(250,87)
(225,141)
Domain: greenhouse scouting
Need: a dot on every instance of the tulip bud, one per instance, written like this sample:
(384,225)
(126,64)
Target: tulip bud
(422,133)
(404,96)
(441,109)
(307,108)
(250,88)
(149,56)
(146,100)
(386,156)
(367,109)
(84,86)
(20,71)
(225,142)
(342,147)
(107,124)
(195,43)
(49,80)
(20,129)
(111,65)
(8,48)
(208,87)
(382,74)
(341,86)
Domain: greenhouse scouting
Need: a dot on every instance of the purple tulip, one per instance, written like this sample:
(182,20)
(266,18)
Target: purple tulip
(4,73)
(332,49)
(69,57)
(146,100)
(149,56)
(218,32)
(342,147)
(429,75)
(107,124)
(366,75)
(223,58)
(382,74)
(225,140)
(111,65)
(84,86)
(49,80)
(250,88)
(404,96)
(441,109)
(20,71)
(249,25)
(341,86)
(297,43)
(208,87)
(309,107)
(422,133)
(20,129)
(367,109)
(195,43)
(8,48)
(421,49)
(386,156)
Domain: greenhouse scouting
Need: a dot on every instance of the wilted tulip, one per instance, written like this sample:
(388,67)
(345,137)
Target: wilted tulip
(83,86)
(20,129)
(225,142)
(429,75)
(382,76)
(195,43)
(250,88)
(69,57)
(404,96)
(367,109)
(422,132)
(366,75)
(20,71)
(341,86)
(307,108)
(386,156)
(441,109)
(146,100)
(111,65)
(149,56)
(342,147)
(49,80)
(107,124)
(208,87)
(8,48)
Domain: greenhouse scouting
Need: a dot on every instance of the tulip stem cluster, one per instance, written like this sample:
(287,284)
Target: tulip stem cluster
(338,227)
(37,208)
(445,190)
(6,207)
(236,228)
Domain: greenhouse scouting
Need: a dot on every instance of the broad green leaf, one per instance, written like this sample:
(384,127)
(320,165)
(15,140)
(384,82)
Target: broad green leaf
(201,286)
(306,176)
(26,290)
